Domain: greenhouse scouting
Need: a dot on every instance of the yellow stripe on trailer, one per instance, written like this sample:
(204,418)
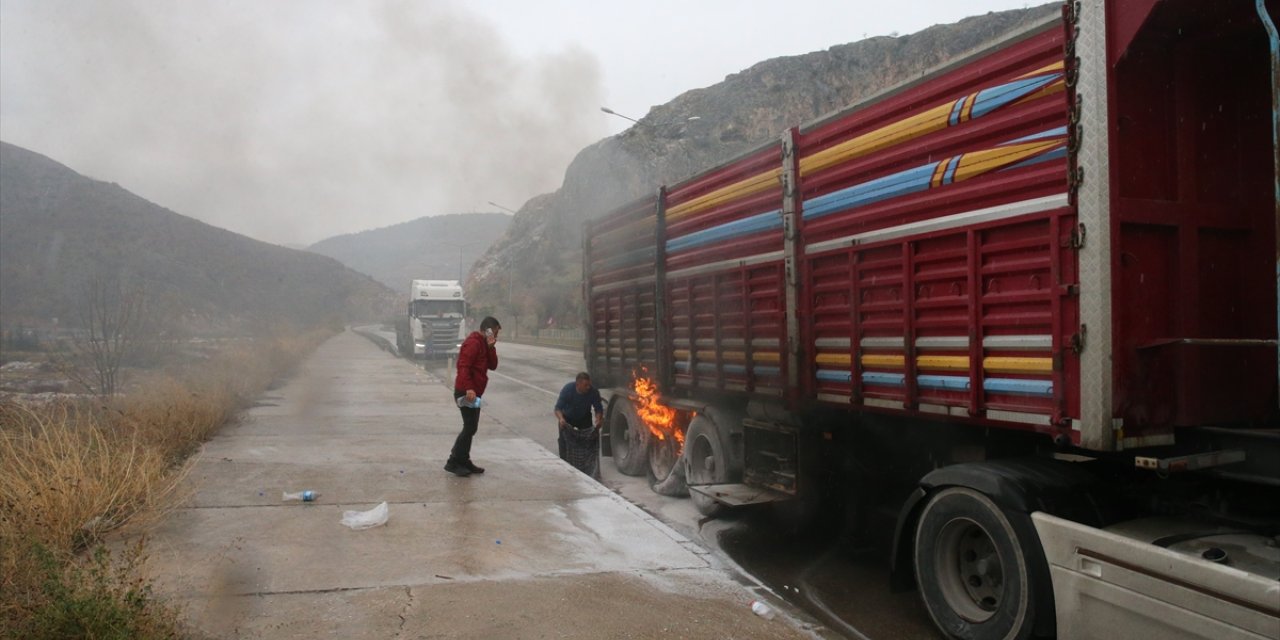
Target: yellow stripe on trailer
(1005,364)
(834,359)
(883,361)
(975,163)
(938,172)
(1053,66)
(943,363)
(706,355)
(741,189)
(966,111)
(1052,88)
(934,119)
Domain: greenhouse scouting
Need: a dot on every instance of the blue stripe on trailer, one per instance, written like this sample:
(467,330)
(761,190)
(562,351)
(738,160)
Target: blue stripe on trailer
(890,186)
(996,97)
(883,379)
(769,221)
(1042,388)
(1047,134)
(946,383)
(1060,152)
(950,173)
(834,376)
(954,118)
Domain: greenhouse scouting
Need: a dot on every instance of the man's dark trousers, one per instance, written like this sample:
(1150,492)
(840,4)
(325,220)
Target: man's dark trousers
(470,422)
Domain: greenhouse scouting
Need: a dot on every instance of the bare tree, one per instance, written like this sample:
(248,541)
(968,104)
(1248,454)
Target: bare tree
(113,319)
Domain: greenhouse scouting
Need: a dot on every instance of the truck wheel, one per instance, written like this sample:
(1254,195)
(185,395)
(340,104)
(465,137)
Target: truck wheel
(629,438)
(706,462)
(974,567)
(666,468)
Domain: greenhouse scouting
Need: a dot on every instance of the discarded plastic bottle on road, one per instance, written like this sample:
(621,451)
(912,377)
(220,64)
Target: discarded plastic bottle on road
(462,402)
(761,609)
(303,496)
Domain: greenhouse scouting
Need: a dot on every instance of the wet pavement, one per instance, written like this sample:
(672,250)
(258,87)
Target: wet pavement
(842,590)
(530,549)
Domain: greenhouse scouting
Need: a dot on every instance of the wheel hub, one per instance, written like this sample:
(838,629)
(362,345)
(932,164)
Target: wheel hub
(971,573)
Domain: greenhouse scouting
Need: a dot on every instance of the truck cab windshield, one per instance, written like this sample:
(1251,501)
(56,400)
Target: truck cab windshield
(423,308)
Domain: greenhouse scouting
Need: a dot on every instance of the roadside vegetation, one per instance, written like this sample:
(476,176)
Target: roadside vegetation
(74,470)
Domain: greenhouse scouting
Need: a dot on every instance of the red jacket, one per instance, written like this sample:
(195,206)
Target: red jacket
(475,360)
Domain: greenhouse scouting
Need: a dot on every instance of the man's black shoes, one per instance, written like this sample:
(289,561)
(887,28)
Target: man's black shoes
(458,469)
(462,469)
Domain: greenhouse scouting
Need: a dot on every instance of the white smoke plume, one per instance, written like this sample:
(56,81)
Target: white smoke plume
(293,120)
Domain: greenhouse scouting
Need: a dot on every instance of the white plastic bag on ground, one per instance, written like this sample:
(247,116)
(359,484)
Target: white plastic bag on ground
(366,519)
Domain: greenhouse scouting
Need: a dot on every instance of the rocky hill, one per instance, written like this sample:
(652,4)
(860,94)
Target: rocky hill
(534,272)
(62,230)
(435,248)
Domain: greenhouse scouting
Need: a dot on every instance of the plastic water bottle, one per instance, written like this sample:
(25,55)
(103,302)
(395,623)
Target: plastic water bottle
(761,609)
(462,402)
(302,496)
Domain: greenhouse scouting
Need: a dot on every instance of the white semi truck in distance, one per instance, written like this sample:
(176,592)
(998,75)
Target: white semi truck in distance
(436,320)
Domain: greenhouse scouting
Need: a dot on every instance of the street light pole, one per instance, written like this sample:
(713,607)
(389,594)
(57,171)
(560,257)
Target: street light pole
(651,125)
(462,246)
(501,207)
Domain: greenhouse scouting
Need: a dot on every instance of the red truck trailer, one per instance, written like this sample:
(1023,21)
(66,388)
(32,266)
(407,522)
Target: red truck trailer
(1017,317)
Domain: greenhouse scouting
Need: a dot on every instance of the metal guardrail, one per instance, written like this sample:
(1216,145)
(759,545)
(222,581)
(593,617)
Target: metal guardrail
(381,338)
(558,338)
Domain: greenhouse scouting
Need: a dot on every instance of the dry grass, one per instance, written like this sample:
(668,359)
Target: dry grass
(67,477)
(72,473)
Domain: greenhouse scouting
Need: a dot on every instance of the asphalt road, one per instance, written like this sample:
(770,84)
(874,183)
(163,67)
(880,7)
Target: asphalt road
(844,589)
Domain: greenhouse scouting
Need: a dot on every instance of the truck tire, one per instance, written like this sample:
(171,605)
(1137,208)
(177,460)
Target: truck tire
(973,563)
(628,438)
(666,468)
(706,459)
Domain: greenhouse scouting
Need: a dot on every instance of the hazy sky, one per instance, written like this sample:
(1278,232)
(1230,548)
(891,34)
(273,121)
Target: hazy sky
(295,120)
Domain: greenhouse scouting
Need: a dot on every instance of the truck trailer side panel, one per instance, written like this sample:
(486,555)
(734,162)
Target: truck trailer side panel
(1068,233)
(937,209)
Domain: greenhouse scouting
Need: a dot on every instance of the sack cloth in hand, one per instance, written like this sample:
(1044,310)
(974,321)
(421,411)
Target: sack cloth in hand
(582,450)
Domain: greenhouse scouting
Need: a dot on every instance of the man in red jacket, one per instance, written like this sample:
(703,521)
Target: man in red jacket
(476,359)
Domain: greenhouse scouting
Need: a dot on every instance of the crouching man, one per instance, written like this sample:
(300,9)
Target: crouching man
(579,440)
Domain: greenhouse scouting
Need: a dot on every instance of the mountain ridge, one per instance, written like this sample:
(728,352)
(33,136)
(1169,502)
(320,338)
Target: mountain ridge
(431,247)
(62,229)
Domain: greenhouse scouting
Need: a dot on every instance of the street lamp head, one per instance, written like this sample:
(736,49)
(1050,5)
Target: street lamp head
(615,113)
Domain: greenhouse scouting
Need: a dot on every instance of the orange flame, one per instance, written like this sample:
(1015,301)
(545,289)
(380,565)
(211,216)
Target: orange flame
(660,419)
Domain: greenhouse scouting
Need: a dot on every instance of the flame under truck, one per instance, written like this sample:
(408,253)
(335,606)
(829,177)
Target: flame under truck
(1018,318)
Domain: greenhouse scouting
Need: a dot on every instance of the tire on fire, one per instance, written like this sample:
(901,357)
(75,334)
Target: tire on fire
(708,458)
(666,467)
(628,437)
(979,567)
